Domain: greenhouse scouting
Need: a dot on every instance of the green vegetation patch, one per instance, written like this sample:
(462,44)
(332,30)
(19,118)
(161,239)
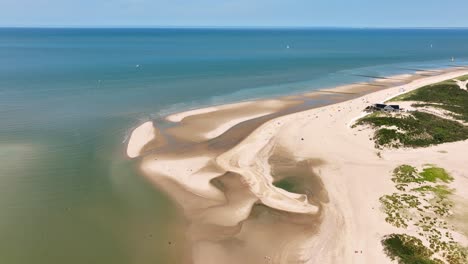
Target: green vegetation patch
(409,174)
(414,130)
(408,250)
(462,78)
(432,174)
(405,174)
(425,205)
(398,208)
(445,95)
(441,191)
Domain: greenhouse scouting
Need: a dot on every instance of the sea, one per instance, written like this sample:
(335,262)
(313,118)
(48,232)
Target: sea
(69,97)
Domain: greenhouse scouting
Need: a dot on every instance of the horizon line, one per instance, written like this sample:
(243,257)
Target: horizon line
(210,27)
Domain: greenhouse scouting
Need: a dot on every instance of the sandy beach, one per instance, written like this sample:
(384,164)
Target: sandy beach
(235,208)
(206,123)
(141,136)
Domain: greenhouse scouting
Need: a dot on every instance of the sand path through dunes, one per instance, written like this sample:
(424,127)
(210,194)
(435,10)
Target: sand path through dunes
(462,84)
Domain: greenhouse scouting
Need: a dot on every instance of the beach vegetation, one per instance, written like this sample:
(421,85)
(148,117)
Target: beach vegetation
(416,129)
(421,129)
(462,78)
(424,205)
(442,93)
(441,191)
(404,174)
(432,174)
(446,95)
(407,249)
(397,207)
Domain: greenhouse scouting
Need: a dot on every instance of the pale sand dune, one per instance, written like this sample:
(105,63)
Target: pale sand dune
(140,136)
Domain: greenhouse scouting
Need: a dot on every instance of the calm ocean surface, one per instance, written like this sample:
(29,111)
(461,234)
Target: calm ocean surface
(69,97)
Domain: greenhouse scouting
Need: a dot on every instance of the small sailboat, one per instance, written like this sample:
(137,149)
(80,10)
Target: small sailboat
(453,59)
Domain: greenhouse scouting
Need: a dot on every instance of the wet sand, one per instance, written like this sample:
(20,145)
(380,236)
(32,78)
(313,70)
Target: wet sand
(283,182)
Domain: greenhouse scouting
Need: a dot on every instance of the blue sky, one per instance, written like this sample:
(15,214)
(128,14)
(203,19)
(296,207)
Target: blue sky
(243,13)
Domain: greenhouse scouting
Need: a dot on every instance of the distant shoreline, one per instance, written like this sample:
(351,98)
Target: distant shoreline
(225,27)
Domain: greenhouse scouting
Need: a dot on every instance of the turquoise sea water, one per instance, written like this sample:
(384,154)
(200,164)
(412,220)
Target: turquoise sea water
(69,97)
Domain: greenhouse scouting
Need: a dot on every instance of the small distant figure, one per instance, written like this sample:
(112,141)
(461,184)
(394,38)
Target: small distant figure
(431,46)
(137,66)
(453,59)
(287,47)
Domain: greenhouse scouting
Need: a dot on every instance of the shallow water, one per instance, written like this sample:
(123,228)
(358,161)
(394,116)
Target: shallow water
(69,97)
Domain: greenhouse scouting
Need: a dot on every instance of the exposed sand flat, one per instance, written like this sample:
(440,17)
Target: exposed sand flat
(188,173)
(178,117)
(395,78)
(208,123)
(357,87)
(250,159)
(232,122)
(231,213)
(140,136)
(345,89)
(354,176)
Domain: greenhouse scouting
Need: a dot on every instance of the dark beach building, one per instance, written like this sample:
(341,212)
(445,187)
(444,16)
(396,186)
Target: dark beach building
(383,108)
